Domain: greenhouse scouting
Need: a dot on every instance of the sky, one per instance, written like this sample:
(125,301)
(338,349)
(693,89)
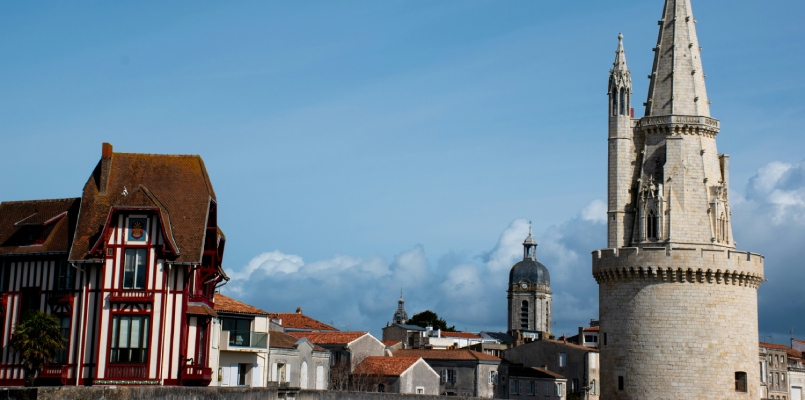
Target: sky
(360,147)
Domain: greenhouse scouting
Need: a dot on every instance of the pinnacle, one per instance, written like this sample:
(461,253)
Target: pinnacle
(620,56)
(677,82)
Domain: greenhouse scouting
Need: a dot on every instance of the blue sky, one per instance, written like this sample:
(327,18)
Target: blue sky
(359,146)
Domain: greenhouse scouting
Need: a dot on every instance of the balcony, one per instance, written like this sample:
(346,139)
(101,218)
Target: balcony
(126,371)
(131,296)
(54,375)
(246,341)
(196,375)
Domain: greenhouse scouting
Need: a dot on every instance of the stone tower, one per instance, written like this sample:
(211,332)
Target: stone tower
(529,294)
(400,316)
(678,302)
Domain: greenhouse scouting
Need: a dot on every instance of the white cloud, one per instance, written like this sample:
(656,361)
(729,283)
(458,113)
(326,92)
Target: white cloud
(596,211)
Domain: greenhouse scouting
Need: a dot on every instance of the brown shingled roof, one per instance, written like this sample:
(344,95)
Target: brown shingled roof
(527,372)
(385,366)
(454,354)
(225,304)
(175,185)
(462,335)
(279,340)
(329,337)
(51,220)
(301,321)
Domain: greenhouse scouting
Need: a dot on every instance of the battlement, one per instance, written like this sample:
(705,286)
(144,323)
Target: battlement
(692,265)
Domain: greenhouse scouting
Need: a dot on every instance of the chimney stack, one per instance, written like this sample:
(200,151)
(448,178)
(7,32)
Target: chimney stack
(106,166)
(298,310)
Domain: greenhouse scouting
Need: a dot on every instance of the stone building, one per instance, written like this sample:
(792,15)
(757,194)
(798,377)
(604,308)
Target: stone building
(529,294)
(297,363)
(464,372)
(529,383)
(671,259)
(578,364)
(409,375)
(240,343)
(775,379)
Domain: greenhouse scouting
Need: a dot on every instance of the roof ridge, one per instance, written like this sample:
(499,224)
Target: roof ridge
(156,154)
(40,200)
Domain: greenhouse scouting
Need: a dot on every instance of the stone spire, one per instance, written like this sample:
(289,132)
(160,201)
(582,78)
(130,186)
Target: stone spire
(677,81)
(529,246)
(400,316)
(620,58)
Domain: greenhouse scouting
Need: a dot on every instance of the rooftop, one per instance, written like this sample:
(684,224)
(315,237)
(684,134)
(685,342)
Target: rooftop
(225,304)
(385,366)
(301,322)
(455,354)
(342,338)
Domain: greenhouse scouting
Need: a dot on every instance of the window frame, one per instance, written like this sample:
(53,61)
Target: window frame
(144,338)
(145,266)
(65,276)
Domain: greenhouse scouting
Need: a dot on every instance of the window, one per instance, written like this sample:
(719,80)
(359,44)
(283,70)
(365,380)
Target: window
(562,360)
(515,386)
(574,385)
(592,387)
(239,330)
(243,369)
(524,315)
(420,390)
(61,355)
(620,383)
(559,390)
(129,339)
(605,339)
(66,280)
(281,372)
(448,375)
(493,377)
(30,299)
(591,338)
(740,382)
(134,269)
(532,388)
(652,225)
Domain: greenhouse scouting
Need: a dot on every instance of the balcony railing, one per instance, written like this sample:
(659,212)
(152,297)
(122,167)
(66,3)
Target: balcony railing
(131,296)
(237,340)
(54,371)
(197,298)
(126,372)
(197,373)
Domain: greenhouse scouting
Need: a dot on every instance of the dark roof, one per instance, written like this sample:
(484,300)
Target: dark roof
(531,271)
(37,226)
(225,304)
(175,185)
(502,336)
(527,372)
(409,327)
(457,354)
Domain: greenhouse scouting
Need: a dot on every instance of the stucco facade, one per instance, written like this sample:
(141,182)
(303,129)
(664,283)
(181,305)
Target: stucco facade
(578,364)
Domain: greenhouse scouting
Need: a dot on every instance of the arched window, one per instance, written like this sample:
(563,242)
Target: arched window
(524,315)
(623,101)
(722,228)
(652,225)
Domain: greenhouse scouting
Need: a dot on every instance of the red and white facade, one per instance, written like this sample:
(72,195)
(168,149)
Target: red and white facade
(130,270)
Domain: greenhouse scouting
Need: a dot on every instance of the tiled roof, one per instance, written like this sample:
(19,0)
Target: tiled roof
(462,335)
(527,372)
(329,337)
(225,304)
(573,345)
(774,346)
(457,354)
(592,329)
(390,343)
(200,309)
(279,340)
(385,366)
(51,220)
(301,321)
(176,185)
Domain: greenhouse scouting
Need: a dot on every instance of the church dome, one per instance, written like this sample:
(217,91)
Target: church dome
(530,270)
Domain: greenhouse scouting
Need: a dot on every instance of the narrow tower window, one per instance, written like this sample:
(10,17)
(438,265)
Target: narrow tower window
(615,102)
(524,315)
(652,225)
(623,101)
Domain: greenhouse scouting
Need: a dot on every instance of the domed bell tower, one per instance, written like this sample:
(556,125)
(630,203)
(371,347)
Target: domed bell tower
(529,294)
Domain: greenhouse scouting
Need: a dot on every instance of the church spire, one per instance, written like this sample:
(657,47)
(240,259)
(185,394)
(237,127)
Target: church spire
(620,84)
(677,81)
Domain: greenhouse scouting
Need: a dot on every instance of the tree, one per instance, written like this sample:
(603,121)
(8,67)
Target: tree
(429,318)
(36,338)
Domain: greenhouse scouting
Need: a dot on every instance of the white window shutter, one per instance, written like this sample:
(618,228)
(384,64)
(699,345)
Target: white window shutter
(257,376)
(233,375)
(274,372)
(224,376)
(288,374)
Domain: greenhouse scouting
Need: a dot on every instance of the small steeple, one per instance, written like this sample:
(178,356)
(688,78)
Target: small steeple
(620,84)
(400,316)
(677,81)
(529,246)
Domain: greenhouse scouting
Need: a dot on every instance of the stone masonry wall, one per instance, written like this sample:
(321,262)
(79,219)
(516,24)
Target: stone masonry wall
(664,312)
(184,393)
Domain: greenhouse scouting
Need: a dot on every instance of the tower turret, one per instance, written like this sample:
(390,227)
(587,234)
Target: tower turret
(621,171)
(400,316)
(529,294)
(671,271)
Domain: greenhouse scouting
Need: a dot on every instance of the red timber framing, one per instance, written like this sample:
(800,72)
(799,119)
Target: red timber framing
(131,281)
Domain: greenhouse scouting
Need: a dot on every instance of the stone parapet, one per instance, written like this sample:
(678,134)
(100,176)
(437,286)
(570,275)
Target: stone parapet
(691,265)
(680,124)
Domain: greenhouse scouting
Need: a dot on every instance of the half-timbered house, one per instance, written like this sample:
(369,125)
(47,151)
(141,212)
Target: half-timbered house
(130,269)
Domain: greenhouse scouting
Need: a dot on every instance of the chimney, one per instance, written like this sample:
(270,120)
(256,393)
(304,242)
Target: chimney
(545,366)
(299,310)
(106,166)
(632,112)
(581,336)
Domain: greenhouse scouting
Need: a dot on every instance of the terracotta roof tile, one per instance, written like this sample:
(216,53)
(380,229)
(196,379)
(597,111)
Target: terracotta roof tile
(323,338)
(301,321)
(50,223)
(225,304)
(385,366)
(457,354)
(592,329)
(202,309)
(390,343)
(177,185)
(462,335)
(774,346)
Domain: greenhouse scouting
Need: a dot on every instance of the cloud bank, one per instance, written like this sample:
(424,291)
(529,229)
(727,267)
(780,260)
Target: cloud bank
(469,289)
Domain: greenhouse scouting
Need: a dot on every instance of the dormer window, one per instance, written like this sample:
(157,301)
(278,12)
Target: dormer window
(134,269)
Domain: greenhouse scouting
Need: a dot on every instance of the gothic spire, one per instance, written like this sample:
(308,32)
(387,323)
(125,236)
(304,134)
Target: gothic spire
(677,81)
(620,57)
